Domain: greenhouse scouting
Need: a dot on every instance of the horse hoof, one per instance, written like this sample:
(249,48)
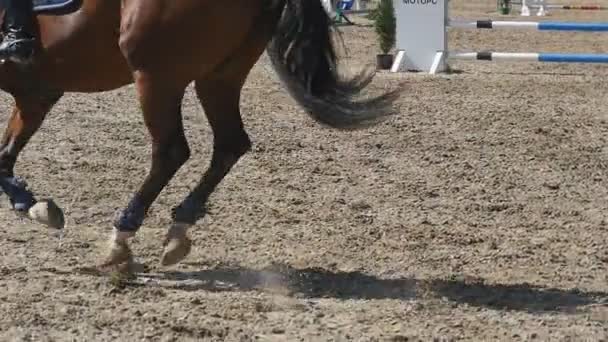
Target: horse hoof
(48,213)
(119,254)
(177,249)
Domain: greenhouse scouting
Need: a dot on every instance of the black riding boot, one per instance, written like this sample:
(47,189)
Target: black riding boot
(19,40)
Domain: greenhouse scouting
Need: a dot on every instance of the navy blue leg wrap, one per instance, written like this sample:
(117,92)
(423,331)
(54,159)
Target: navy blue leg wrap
(16,189)
(132,217)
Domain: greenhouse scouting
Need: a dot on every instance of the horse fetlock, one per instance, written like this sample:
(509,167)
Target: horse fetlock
(186,212)
(178,230)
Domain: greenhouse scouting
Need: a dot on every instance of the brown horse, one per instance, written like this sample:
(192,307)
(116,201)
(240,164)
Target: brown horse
(162,46)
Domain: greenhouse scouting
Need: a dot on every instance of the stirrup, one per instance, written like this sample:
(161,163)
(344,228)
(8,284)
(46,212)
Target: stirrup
(17,50)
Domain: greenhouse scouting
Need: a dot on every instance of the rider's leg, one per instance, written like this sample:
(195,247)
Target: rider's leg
(19,30)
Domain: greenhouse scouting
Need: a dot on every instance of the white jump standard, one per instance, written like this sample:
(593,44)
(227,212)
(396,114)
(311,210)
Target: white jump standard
(422,27)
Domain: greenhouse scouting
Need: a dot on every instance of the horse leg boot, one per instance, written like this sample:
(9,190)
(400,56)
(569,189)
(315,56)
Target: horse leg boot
(221,103)
(162,115)
(19,29)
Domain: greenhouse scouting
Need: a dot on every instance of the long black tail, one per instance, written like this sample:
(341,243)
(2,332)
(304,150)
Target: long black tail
(303,55)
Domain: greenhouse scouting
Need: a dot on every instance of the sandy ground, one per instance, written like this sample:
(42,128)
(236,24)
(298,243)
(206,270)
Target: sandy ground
(477,213)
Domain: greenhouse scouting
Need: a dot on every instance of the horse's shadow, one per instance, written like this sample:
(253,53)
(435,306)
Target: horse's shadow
(320,283)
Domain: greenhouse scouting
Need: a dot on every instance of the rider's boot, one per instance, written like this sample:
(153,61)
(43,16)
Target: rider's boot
(19,43)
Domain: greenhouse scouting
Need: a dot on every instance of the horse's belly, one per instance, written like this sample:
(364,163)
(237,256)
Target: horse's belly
(86,66)
(89,75)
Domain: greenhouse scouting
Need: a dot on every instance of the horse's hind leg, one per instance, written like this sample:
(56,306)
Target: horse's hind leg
(27,117)
(220,94)
(220,100)
(161,105)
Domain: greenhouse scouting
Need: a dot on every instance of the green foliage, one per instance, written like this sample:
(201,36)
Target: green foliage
(386,25)
(372,15)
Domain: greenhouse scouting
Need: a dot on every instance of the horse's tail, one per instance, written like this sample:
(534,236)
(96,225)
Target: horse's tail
(303,55)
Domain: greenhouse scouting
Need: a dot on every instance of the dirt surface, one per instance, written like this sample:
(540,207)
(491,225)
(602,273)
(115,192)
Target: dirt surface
(478,213)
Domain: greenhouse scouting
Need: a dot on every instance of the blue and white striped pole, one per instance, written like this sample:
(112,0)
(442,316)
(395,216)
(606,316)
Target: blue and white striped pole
(529,57)
(531,25)
(572,58)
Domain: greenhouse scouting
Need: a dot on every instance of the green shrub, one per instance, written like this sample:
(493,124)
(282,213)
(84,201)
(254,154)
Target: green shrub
(386,25)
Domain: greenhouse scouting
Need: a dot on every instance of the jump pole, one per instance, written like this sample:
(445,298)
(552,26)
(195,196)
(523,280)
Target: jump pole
(530,57)
(528,25)
(422,38)
(543,6)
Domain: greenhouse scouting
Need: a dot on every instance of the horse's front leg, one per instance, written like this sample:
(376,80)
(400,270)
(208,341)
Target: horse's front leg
(27,116)
(161,105)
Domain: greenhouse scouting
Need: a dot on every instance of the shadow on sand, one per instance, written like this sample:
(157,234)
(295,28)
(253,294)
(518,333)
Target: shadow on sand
(321,283)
